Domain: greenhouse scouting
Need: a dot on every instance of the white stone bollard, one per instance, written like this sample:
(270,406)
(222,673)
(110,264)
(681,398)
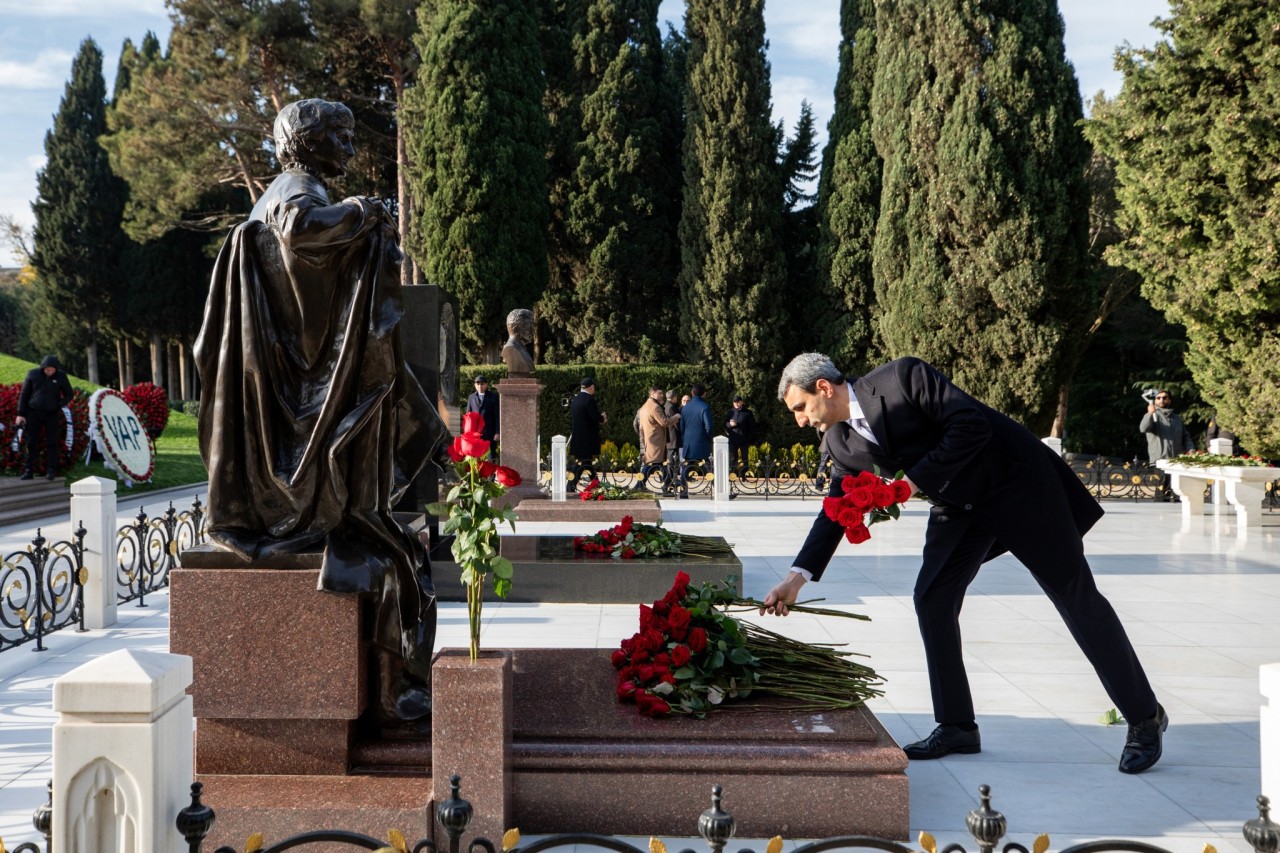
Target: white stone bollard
(559,466)
(93,504)
(1269,725)
(1054,444)
(720,467)
(122,754)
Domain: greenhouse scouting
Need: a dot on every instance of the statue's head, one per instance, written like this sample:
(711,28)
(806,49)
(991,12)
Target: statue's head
(315,135)
(520,324)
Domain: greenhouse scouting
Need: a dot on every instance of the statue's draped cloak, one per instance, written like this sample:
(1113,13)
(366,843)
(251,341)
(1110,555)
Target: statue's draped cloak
(311,424)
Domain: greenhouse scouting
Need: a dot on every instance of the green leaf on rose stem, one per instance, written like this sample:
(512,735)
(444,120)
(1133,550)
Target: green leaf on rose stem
(501,587)
(717,660)
(439,509)
(502,568)
(454,493)
(468,576)
(685,672)
(741,656)
(900,474)
(454,522)
(662,688)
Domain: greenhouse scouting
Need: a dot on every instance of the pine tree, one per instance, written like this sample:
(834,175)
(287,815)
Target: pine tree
(800,230)
(849,200)
(979,246)
(478,141)
(732,278)
(79,202)
(1193,136)
(618,200)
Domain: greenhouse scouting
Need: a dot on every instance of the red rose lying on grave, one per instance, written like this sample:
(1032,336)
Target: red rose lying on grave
(630,539)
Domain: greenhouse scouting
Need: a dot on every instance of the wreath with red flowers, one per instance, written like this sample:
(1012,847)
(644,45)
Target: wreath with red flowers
(150,403)
(108,450)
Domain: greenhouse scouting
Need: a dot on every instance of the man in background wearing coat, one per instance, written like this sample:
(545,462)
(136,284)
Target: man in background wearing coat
(44,393)
(486,403)
(1166,436)
(653,424)
(584,437)
(696,425)
(994,488)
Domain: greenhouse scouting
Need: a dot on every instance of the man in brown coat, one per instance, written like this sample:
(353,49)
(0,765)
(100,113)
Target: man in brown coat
(653,422)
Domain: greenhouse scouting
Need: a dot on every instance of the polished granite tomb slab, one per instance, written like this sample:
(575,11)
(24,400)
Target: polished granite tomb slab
(548,569)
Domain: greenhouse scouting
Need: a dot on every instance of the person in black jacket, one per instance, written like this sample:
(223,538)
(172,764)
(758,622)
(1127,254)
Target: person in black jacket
(994,487)
(740,424)
(486,402)
(44,393)
(584,437)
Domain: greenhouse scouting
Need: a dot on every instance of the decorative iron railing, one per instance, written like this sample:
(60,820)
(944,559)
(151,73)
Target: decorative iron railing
(716,826)
(148,548)
(41,590)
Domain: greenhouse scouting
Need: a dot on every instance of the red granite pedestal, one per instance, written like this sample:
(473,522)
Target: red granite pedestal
(602,512)
(537,735)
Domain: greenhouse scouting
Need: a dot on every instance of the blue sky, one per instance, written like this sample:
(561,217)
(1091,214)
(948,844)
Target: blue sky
(39,39)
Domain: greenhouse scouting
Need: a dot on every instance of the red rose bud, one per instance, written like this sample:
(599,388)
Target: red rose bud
(619,659)
(628,553)
(472,444)
(901,491)
(627,691)
(487,468)
(506,476)
(831,506)
(850,517)
(848,483)
(647,672)
(862,498)
(662,659)
(883,495)
(646,617)
(680,655)
(857,534)
(678,620)
(627,673)
(681,586)
(698,639)
(866,478)
(455,452)
(473,422)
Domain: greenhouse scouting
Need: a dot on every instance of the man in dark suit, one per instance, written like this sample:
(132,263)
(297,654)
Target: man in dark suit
(486,402)
(994,488)
(584,437)
(696,426)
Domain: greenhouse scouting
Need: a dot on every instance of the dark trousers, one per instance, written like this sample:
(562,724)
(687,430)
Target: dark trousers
(1069,584)
(575,473)
(685,465)
(737,454)
(53,427)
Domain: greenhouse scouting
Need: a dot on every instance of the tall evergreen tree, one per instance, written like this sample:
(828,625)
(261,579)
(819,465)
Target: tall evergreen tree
(619,212)
(562,22)
(732,272)
(979,246)
(1193,135)
(478,141)
(848,205)
(78,207)
(800,229)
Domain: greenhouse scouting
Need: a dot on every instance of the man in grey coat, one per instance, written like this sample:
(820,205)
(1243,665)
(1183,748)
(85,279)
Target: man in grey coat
(1166,436)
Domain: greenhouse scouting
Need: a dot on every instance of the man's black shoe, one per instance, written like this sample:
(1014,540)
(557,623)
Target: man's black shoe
(26,475)
(1143,747)
(51,475)
(944,740)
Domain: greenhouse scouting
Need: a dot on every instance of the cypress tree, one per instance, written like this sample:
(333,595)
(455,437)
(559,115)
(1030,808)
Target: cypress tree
(78,207)
(978,251)
(733,273)
(849,199)
(1193,136)
(800,230)
(619,199)
(478,142)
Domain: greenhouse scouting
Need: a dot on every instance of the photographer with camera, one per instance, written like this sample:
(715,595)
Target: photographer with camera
(1166,436)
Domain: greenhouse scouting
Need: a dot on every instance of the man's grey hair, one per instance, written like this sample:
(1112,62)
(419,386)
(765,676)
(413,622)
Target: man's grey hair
(300,124)
(805,370)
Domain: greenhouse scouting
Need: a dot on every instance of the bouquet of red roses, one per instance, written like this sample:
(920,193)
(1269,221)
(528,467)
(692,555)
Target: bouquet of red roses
(629,539)
(597,491)
(691,655)
(867,499)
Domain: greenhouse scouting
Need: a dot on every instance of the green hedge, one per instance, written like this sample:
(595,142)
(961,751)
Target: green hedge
(622,388)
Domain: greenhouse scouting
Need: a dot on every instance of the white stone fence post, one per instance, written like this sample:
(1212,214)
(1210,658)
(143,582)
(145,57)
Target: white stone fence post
(559,466)
(122,754)
(93,504)
(720,467)
(1054,444)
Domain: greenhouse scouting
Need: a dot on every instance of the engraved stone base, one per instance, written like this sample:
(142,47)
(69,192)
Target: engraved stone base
(603,512)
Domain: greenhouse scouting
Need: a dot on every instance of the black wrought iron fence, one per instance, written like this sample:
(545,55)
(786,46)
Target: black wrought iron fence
(41,590)
(148,549)
(716,826)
